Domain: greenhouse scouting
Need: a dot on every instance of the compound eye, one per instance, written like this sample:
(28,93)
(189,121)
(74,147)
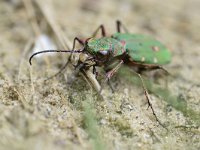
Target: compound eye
(103,52)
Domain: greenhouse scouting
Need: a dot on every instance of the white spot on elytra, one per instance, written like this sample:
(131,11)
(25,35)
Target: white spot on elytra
(155,60)
(143,59)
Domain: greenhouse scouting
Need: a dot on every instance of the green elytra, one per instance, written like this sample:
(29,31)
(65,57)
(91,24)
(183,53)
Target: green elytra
(144,49)
(140,48)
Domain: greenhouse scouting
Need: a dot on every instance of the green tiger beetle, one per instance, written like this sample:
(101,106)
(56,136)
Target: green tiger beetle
(134,50)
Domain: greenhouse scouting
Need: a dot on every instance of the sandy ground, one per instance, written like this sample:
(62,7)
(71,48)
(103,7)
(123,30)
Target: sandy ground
(60,114)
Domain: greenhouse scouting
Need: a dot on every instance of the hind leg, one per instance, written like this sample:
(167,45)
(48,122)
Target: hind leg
(103,31)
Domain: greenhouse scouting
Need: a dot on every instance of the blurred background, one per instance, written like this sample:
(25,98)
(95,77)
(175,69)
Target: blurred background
(55,115)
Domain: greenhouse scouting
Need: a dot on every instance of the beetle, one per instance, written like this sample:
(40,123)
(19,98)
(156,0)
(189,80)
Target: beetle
(137,50)
(132,49)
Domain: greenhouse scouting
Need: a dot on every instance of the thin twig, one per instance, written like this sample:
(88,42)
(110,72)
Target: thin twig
(31,15)
(49,15)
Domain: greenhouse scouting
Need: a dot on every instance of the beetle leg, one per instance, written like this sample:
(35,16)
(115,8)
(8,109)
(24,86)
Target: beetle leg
(110,85)
(158,67)
(148,66)
(148,100)
(163,69)
(78,40)
(110,73)
(66,64)
(120,25)
(59,72)
(114,70)
(103,31)
(95,71)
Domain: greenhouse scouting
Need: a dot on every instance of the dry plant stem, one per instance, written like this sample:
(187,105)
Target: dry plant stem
(47,11)
(32,85)
(31,15)
(23,100)
(25,51)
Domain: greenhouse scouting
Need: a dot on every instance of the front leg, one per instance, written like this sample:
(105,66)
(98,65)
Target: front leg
(110,73)
(68,60)
(103,31)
